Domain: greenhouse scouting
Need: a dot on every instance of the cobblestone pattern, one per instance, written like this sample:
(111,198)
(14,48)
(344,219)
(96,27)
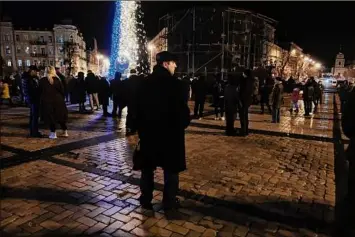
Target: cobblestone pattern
(274,180)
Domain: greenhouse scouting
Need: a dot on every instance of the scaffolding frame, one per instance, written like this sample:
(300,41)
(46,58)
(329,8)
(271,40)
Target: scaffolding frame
(228,46)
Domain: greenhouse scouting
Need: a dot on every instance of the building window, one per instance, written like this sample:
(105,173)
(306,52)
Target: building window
(28,63)
(27,50)
(60,50)
(9,63)
(8,50)
(60,39)
(17,38)
(34,49)
(71,39)
(18,49)
(51,62)
(50,39)
(44,63)
(61,63)
(41,38)
(35,62)
(19,62)
(50,51)
(7,37)
(25,37)
(43,51)
(339,63)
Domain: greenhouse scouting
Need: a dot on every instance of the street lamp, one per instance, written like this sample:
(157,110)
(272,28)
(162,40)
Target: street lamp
(151,47)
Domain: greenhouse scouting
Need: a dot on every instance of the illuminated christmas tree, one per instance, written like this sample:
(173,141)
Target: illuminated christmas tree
(128,47)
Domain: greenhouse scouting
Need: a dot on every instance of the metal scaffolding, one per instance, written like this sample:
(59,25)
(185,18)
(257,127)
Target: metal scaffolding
(216,40)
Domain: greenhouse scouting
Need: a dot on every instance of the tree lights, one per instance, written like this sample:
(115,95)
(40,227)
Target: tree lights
(128,47)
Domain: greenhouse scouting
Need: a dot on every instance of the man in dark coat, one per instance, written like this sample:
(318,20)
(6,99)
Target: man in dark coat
(132,87)
(104,95)
(348,125)
(265,90)
(231,97)
(76,87)
(200,89)
(218,97)
(92,90)
(118,88)
(246,87)
(162,115)
(30,86)
(277,100)
(187,84)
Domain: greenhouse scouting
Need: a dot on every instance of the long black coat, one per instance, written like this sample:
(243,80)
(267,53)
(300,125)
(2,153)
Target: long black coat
(246,88)
(277,95)
(162,117)
(348,124)
(104,91)
(76,88)
(231,99)
(52,101)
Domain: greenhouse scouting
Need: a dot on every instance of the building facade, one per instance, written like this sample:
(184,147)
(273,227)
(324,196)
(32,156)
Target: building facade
(157,44)
(22,48)
(339,68)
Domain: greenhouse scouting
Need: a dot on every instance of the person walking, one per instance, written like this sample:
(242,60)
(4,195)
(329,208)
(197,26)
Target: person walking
(308,96)
(54,109)
(162,112)
(200,89)
(246,86)
(231,95)
(277,100)
(30,86)
(117,92)
(92,90)
(265,90)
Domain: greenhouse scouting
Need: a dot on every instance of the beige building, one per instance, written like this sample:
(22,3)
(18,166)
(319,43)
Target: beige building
(22,48)
(339,68)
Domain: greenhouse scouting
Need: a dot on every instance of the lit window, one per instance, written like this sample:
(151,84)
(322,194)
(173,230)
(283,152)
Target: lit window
(34,49)
(9,63)
(27,50)
(28,63)
(8,50)
(19,62)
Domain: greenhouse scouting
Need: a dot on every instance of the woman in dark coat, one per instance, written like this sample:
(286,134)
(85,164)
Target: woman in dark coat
(54,109)
(76,88)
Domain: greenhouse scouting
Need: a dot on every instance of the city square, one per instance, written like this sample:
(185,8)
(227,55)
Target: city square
(279,181)
(177,119)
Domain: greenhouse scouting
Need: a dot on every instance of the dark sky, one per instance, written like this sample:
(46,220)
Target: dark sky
(318,27)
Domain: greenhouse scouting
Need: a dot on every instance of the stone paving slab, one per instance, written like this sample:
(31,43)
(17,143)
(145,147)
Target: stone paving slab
(266,184)
(65,201)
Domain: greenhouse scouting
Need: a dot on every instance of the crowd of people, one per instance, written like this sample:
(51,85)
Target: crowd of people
(157,106)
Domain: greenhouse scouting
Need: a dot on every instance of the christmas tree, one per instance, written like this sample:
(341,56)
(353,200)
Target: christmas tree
(143,61)
(128,47)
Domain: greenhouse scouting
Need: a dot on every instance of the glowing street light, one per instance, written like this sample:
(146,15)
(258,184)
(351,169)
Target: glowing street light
(318,65)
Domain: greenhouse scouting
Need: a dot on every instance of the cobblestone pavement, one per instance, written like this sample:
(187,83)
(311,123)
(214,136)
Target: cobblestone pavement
(278,181)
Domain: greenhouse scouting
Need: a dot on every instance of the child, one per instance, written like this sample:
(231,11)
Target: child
(294,100)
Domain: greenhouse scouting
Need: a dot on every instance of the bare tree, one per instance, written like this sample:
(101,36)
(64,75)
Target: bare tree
(69,50)
(285,58)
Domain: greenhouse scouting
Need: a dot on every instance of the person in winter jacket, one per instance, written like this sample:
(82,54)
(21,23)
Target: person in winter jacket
(231,98)
(218,98)
(133,84)
(92,90)
(162,111)
(308,96)
(104,95)
(265,90)
(294,100)
(76,87)
(246,86)
(277,100)
(30,86)
(53,104)
(118,91)
(343,94)
(200,90)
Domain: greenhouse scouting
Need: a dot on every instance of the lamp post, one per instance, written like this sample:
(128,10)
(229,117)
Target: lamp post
(151,48)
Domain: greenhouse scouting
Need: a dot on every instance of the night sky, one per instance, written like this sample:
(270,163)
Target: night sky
(317,27)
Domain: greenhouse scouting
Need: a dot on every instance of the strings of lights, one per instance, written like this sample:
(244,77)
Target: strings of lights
(124,46)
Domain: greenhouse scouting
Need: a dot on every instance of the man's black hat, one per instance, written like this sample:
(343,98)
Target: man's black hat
(165,56)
